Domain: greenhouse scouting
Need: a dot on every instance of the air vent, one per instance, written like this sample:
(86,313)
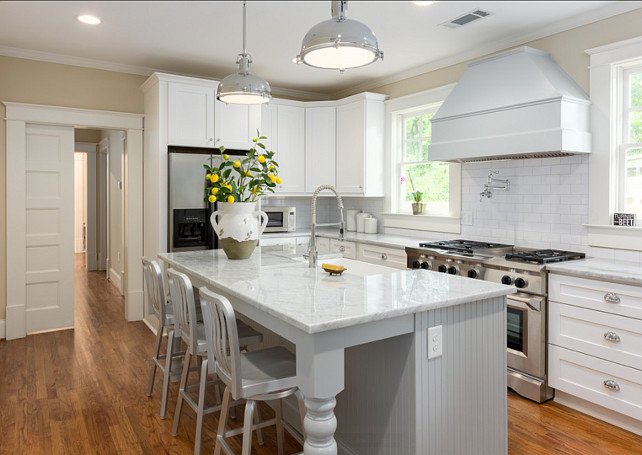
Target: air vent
(466,18)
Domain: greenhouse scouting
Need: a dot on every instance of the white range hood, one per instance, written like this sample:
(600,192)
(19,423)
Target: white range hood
(517,104)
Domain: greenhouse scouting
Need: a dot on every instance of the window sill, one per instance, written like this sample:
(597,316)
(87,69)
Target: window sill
(618,237)
(435,223)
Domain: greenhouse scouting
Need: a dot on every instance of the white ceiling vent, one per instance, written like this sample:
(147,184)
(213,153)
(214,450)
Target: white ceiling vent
(467,18)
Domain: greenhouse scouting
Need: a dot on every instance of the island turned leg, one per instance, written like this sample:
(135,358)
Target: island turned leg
(320,424)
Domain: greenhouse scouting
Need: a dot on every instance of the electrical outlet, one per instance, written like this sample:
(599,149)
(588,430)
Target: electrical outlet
(435,342)
(467,218)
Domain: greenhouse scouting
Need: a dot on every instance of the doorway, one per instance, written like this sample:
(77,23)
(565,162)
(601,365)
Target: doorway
(40,213)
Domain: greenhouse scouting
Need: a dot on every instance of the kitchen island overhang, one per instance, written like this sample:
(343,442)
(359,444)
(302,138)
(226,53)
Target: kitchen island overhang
(322,315)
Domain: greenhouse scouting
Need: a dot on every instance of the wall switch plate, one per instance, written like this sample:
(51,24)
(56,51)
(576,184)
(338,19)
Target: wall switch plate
(467,218)
(435,342)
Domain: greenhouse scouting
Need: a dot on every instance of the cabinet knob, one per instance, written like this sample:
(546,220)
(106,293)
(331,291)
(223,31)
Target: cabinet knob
(384,256)
(611,297)
(211,139)
(612,385)
(218,139)
(342,248)
(612,337)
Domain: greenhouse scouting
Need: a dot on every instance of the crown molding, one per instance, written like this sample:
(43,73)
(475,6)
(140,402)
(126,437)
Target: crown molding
(569,24)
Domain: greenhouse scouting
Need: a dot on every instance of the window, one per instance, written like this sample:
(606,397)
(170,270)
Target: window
(429,179)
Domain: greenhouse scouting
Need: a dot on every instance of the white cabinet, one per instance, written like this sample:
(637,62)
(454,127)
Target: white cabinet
(268,125)
(390,257)
(320,147)
(190,116)
(236,124)
(285,241)
(348,249)
(360,154)
(290,148)
(323,244)
(595,342)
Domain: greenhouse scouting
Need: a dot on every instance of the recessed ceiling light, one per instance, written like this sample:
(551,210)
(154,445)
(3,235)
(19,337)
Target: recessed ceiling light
(88,19)
(423,3)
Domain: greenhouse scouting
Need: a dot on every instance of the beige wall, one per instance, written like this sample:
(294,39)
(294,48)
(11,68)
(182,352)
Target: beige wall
(29,81)
(86,135)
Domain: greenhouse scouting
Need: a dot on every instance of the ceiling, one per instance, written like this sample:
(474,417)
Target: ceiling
(203,38)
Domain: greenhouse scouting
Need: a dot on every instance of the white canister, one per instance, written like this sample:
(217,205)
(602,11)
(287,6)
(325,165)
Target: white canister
(351,219)
(360,218)
(370,225)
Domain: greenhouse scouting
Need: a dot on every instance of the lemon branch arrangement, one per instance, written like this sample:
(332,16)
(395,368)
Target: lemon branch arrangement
(242,180)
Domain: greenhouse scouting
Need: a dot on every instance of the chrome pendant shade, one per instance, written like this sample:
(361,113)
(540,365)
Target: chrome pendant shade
(244,87)
(339,43)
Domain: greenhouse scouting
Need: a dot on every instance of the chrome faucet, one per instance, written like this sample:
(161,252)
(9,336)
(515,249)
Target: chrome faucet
(494,184)
(312,253)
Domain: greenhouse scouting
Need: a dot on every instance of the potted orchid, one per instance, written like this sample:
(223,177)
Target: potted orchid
(418,206)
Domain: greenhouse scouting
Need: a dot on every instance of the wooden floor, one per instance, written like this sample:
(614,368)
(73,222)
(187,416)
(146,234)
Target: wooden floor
(82,391)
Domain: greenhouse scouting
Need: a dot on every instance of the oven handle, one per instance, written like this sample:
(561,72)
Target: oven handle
(535,303)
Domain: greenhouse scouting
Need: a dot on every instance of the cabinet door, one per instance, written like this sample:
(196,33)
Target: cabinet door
(236,124)
(348,249)
(268,125)
(320,147)
(350,148)
(290,150)
(191,114)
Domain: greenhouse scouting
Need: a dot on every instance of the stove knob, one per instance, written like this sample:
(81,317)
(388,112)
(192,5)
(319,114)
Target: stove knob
(452,270)
(443,268)
(416,264)
(507,280)
(520,283)
(426,265)
(472,273)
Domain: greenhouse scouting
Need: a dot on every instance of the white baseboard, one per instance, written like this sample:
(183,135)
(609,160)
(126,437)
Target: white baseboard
(3,333)
(115,278)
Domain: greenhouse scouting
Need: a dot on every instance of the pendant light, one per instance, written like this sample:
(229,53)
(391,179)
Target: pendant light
(339,43)
(244,87)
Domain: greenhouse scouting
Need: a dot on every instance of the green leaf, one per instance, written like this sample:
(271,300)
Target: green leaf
(261,145)
(221,148)
(226,174)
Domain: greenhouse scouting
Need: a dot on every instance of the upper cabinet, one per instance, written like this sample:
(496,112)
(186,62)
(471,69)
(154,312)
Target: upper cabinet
(360,153)
(236,124)
(320,146)
(290,147)
(190,114)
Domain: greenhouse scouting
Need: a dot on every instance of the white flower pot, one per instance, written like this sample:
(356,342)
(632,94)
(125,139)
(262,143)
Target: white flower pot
(239,228)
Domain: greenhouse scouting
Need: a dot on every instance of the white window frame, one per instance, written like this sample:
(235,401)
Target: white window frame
(608,65)
(396,108)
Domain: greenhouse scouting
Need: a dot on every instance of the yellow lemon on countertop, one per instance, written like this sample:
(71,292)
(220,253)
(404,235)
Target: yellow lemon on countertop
(214,178)
(279,180)
(214,190)
(237,163)
(212,199)
(230,199)
(261,159)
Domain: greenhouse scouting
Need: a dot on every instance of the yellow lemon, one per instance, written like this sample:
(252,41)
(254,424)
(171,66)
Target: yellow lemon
(208,176)
(226,156)
(212,199)
(272,168)
(256,139)
(261,159)
(214,178)
(279,180)
(229,187)
(248,173)
(237,163)
(214,190)
(272,178)
(255,190)
(230,199)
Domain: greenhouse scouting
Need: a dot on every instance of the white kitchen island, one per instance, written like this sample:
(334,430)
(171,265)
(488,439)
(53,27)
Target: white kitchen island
(366,331)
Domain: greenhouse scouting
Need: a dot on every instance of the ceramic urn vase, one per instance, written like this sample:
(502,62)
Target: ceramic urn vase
(239,228)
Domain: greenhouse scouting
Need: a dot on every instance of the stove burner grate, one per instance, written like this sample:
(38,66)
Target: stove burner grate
(463,246)
(544,256)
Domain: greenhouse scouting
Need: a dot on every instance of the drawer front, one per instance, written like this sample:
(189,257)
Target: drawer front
(349,249)
(269,241)
(613,298)
(605,383)
(323,243)
(303,240)
(607,336)
(390,257)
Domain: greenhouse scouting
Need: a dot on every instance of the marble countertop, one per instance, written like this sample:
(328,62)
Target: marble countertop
(390,241)
(278,281)
(601,269)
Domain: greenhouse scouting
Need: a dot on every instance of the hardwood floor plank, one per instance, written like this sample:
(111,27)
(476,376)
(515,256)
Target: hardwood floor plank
(83,391)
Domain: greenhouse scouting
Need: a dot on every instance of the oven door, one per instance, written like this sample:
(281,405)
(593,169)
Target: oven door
(526,334)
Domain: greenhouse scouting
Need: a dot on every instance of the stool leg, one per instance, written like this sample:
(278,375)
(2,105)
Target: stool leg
(181,392)
(247,427)
(259,431)
(279,426)
(222,421)
(152,371)
(302,410)
(167,372)
(198,437)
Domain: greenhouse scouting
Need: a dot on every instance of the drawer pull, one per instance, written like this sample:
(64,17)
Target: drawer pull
(612,336)
(611,297)
(612,385)
(342,248)
(384,256)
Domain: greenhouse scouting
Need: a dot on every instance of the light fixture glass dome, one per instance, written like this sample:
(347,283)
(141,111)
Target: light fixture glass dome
(339,43)
(244,87)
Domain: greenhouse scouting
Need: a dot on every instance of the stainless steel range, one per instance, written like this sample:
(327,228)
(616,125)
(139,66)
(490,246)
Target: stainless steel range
(526,334)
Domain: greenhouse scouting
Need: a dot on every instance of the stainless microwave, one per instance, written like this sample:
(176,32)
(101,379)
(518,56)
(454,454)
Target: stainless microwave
(280,219)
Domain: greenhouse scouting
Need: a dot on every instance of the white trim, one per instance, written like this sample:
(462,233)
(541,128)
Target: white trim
(618,237)
(85,147)
(17,116)
(448,224)
(2,329)
(115,278)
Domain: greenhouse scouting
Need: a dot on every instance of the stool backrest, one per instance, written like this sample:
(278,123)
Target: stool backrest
(155,291)
(222,339)
(182,294)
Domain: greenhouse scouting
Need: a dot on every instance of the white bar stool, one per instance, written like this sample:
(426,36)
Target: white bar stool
(262,375)
(193,334)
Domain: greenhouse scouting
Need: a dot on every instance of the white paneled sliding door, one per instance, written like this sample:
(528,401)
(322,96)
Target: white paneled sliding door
(49,227)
